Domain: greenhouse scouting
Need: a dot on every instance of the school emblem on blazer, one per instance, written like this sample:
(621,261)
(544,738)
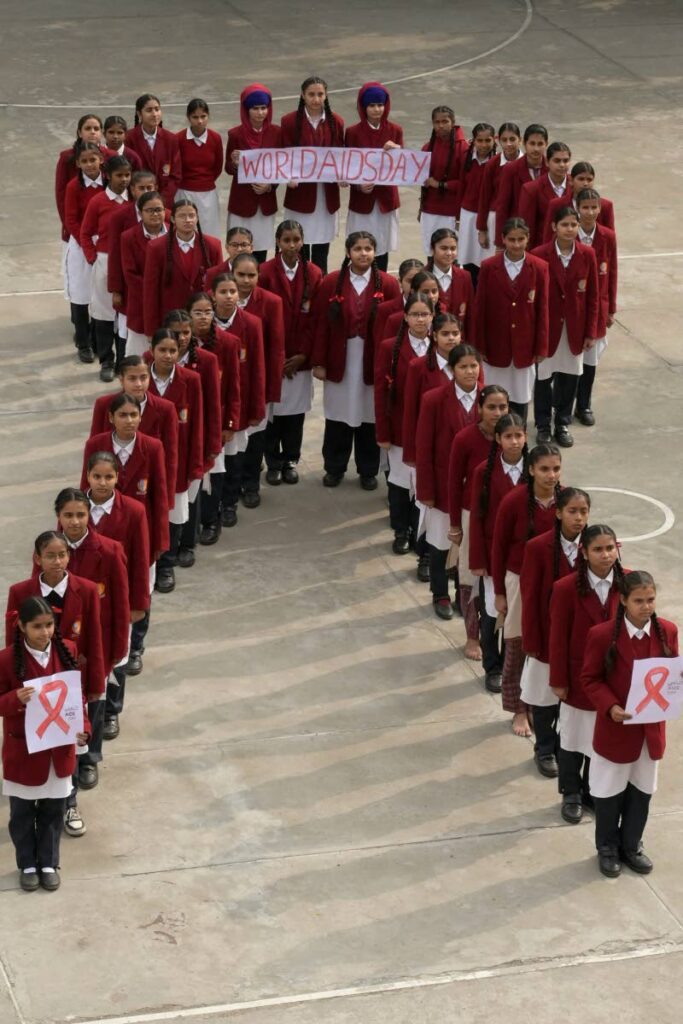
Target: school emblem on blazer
(582,284)
(603,267)
(76,628)
(532,295)
(166,168)
(142,486)
(463,309)
(101,588)
(182,415)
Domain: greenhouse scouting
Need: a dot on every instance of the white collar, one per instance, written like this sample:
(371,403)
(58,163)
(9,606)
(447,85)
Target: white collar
(360,277)
(598,581)
(559,190)
(186,246)
(147,234)
(563,256)
(513,267)
(115,197)
(119,447)
(42,657)
(161,382)
(290,271)
(633,631)
(226,324)
(150,138)
(586,238)
(317,121)
(513,469)
(504,160)
(443,275)
(198,139)
(184,360)
(375,127)
(143,405)
(105,508)
(570,548)
(60,589)
(418,345)
(467,398)
(75,544)
(443,365)
(93,182)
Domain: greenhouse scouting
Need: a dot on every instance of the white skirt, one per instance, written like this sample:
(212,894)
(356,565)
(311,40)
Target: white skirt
(77,274)
(193,491)
(431,222)
(517,381)
(399,474)
(260,426)
(609,778)
(434,524)
(384,226)
(180,512)
(535,684)
(563,361)
(321,226)
(207,207)
(351,401)
(469,250)
(593,356)
(490,597)
(296,397)
(121,325)
(152,577)
(100,296)
(576,729)
(512,627)
(218,467)
(238,444)
(262,227)
(53,788)
(136,344)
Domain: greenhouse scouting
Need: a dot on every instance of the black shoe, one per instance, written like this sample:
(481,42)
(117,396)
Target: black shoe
(401,545)
(111,727)
(563,437)
(133,666)
(330,480)
(229,515)
(165,581)
(608,862)
(493,682)
(572,809)
(587,801)
(29,882)
(637,860)
(186,558)
(251,499)
(443,608)
(543,435)
(585,416)
(274,477)
(368,483)
(88,776)
(50,880)
(86,355)
(289,474)
(423,574)
(547,765)
(210,534)
(107,374)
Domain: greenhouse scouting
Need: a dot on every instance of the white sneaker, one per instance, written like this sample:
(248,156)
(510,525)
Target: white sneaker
(73,822)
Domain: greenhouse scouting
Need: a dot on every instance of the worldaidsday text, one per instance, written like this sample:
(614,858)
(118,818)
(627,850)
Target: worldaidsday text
(328,164)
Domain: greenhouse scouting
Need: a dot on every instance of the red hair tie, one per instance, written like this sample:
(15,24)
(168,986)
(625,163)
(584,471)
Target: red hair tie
(379,296)
(337,298)
(389,379)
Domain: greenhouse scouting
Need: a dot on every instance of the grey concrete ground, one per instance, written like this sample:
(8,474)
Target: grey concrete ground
(314,812)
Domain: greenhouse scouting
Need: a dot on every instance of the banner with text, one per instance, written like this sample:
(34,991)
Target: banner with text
(330,164)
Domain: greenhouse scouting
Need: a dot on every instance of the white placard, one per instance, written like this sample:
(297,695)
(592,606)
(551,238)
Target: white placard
(332,163)
(656,693)
(54,714)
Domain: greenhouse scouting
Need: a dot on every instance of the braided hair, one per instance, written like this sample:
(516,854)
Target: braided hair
(79,143)
(439,321)
(562,500)
(396,348)
(29,610)
(537,453)
(627,584)
(511,419)
(180,316)
(481,127)
(335,307)
(329,116)
(451,151)
(294,225)
(589,534)
(168,270)
(438,236)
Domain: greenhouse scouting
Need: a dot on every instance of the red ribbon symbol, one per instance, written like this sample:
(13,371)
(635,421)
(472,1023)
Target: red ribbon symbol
(654,681)
(53,710)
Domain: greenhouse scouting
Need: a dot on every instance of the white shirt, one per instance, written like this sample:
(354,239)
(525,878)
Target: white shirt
(75,544)
(241,303)
(534,172)
(513,469)
(504,160)
(290,271)
(198,140)
(559,190)
(115,198)
(466,398)
(226,324)
(566,259)
(162,232)
(149,139)
(443,365)
(443,278)
(601,587)
(143,405)
(186,246)
(586,239)
(162,384)
(122,451)
(93,182)
(360,281)
(183,361)
(60,589)
(632,630)
(570,548)
(97,511)
(315,121)
(42,657)
(513,268)
(418,345)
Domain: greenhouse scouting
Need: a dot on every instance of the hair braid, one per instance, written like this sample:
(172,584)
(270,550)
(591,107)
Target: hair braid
(299,120)
(469,157)
(305,295)
(67,659)
(531,506)
(202,246)
(332,121)
(18,650)
(657,626)
(335,308)
(424,190)
(377,297)
(395,352)
(486,481)
(611,654)
(449,161)
(582,585)
(557,549)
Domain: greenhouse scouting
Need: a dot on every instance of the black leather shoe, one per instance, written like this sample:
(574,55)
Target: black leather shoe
(165,581)
(585,416)
(251,499)
(186,558)
(133,666)
(86,355)
(637,860)
(493,682)
(29,882)
(608,862)
(401,545)
(330,480)
(210,534)
(443,608)
(572,809)
(563,437)
(50,880)
(547,765)
(368,483)
(88,776)
(423,569)
(107,374)
(273,477)
(289,474)
(229,516)
(111,727)
(543,435)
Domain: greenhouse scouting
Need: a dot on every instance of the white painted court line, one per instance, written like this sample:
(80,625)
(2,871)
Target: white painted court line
(10,993)
(669,517)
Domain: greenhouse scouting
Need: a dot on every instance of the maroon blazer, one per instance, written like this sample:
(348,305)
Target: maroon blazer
(65,171)
(459,299)
(17,764)
(443,166)
(442,416)
(206,365)
(421,377)
(605,217)
(201,165)
(617,742)
(298,316)
(468,450)
(389,411)
(534,200)
(242,199)
(536,581)
(482,527)
(159,297)
(131,261)
(511,322)
(510,533)
(163,159)
(127,524)
(226,347)
(123,218)
(605,248)
(572,296)
(385,310)
(252,364)
(488,192)
(185,392)
(512,178)
(303,198)
(76,200)
(268,309)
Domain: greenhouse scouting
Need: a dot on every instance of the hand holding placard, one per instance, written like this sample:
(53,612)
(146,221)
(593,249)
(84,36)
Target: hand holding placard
(656,693)
(54,713)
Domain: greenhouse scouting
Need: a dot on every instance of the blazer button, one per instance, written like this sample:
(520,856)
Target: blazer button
(514,303)
(513,325)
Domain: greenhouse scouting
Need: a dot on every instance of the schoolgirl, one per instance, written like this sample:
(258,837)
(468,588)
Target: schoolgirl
(470,447)
(176,265)
(624,766)
(95,246)
(252,206)
(509,138)
(517,173)
(536,196)
(89,129)
(157,148)
(209,338)
(133,248)
(444,412)
(315,207)
(393,358)
(114,132)
(201,159)
(375,208)
(125,217)
(581,176)
(406,272)
(578,603)
(120,518)
(438,195)
(427,372)
(511,322)
(239,240)
(573,302)
(77,271)
(547,558)
(491,482)
(343,357)
(295,281)
(527,511)
(37,784)
(248,329)
(603,242)
(471,172)
(455,284)
(423,282)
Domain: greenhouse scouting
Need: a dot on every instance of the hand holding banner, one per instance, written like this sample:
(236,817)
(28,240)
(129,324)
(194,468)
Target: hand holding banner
(656,693)
(54,714)
(330,164)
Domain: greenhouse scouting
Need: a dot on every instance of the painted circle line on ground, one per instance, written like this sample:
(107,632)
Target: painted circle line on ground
(529,13)
(669,517)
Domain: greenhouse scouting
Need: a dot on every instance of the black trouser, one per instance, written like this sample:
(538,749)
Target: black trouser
(340,440)
(104,338)
(232,479)
(80,318)
(521,408)
(116,692)
(620,820)
(253,462)
(585,388)
(169,559)
(491,655)
(438,576)
(404,515)
(189,533)
(35,828)
(120,346)
(318,254)
(96,716)
(138,634)
(211,503)
(382,262)
(558,393)
(574,773)
(260,255)
(284,436)
(545,729)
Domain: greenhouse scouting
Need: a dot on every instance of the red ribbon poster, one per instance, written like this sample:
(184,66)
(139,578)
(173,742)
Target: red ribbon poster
(656,693)
(54,714)
(329,163)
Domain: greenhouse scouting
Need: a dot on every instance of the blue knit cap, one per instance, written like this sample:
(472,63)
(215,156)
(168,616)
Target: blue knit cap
(374,95)
(257,99)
